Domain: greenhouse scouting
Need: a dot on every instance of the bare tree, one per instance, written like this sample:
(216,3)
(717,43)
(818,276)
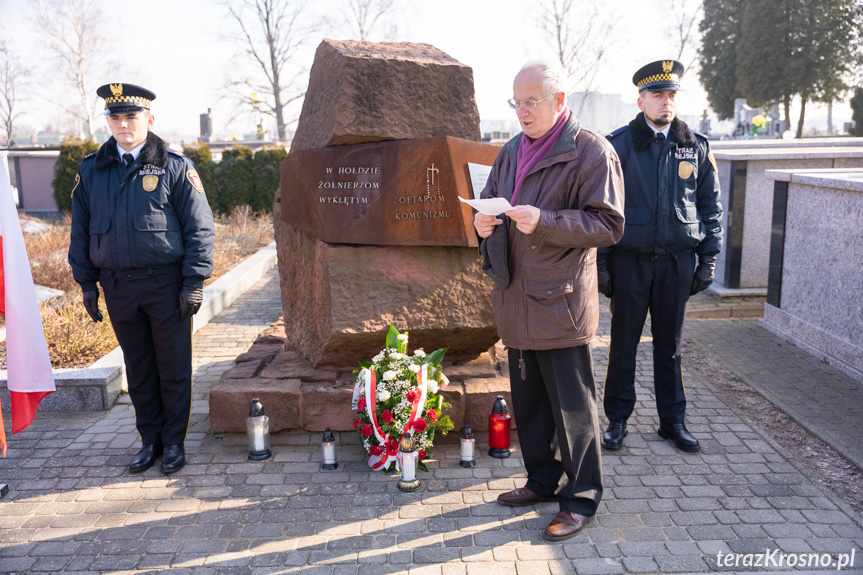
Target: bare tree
(365,14)
(13,77)
(271,32)
(74,30)
(684,16)
(579,32)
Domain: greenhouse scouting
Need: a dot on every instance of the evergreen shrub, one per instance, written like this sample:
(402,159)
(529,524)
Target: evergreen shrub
(66,168)
(236,178)
(857,112)
(267,172)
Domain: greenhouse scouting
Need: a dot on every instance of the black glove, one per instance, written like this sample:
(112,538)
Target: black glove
(603,276)
(190,301)
(703,274)
(91,304)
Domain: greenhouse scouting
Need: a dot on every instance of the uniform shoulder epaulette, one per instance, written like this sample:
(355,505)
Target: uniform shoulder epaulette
(618,131)
(699,134)
(90,155)
(175,152)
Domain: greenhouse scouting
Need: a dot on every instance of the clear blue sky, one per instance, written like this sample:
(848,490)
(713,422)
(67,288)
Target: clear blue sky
(179,50)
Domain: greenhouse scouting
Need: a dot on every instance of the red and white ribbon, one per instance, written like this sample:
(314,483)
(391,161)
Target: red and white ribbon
(368,377)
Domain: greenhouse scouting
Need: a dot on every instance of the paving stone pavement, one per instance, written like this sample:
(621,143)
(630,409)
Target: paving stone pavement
(818,396)
(74,508)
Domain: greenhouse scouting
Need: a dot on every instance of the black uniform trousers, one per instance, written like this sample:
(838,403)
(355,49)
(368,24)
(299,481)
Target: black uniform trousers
(157,346)
(660,285)
(558,429)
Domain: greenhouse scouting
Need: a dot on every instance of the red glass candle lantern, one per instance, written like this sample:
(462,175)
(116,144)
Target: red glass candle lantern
(498,429)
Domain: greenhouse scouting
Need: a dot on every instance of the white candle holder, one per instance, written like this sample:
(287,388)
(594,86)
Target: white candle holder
(468,448)
(328,451)
(258,432)
(408,459)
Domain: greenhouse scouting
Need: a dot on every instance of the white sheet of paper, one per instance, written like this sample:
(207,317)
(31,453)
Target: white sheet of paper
(478,177)
(489,207)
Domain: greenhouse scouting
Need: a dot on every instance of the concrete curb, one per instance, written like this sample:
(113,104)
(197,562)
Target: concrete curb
(96,387)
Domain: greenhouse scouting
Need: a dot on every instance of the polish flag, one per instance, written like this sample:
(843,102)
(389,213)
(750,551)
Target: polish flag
(29,376)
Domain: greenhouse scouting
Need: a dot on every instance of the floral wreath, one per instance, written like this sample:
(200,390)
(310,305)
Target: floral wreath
(396,393)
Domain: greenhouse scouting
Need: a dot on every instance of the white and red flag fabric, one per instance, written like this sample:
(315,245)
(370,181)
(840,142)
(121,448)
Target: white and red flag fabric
(29,376)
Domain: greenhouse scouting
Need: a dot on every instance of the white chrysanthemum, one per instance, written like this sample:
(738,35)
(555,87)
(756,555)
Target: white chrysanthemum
(389,375)
(403,337)
(419,353)
(414,367)
(384,395)
(378,357)
(397,355)
(433,387)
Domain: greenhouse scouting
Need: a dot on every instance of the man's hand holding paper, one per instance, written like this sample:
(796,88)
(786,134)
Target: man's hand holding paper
(485,224)
(526,218)
(490,206)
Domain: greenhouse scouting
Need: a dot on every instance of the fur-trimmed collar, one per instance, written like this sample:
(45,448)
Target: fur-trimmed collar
(154,152)
(642,135)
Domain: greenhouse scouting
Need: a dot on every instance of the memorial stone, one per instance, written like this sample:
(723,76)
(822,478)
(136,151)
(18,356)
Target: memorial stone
(372,234)
(369,92)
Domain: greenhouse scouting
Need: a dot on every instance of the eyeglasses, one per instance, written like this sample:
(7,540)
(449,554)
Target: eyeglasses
(529,104)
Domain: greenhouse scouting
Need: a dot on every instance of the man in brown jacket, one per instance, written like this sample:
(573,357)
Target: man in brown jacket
(566,185)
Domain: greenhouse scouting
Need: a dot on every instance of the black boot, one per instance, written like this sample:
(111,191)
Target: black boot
(677,432)
(615,432)
(145,458)
(174,458)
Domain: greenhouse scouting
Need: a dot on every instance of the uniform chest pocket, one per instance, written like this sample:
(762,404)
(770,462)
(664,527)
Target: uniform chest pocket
(156,223)
(159,238)
(687,213)
(548,308)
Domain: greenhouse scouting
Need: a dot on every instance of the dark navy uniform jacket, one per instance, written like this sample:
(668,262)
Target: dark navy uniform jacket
(153,214)
(672,193)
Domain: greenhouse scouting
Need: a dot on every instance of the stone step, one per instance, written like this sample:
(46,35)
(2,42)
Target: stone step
(296,395)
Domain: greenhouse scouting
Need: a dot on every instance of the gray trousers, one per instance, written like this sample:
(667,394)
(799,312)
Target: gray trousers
(558,429)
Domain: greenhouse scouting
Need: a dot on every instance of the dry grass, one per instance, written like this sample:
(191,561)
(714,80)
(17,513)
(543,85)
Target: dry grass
(74,340)
(48,251)
(238,235)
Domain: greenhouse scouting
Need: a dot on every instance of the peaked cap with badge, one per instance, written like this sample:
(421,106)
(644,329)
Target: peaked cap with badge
(659,76)
(125,98)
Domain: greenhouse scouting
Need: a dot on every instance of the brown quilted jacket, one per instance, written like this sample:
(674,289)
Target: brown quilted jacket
(551,301)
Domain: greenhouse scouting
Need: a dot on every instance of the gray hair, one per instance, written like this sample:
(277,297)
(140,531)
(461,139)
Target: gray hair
(553,76)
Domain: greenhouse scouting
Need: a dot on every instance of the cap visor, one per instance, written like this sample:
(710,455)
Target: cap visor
(661,87)
(123,110)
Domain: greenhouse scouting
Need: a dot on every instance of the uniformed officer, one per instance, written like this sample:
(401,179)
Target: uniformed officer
(673,218)
(142,229)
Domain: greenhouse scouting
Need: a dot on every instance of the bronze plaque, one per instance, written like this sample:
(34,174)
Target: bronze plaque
(396,193)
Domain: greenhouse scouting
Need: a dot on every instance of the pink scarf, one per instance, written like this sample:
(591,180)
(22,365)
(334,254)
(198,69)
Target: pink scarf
(530,152)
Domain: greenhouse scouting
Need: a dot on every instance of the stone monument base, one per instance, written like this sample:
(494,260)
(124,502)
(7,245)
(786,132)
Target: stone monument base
(296,395)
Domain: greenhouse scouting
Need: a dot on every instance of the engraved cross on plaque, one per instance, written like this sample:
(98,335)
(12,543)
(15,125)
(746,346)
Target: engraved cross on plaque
(430,180)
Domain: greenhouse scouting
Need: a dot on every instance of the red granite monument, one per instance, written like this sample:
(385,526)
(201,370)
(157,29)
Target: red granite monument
(370,232)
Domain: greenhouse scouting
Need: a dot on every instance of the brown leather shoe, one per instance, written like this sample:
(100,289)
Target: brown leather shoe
(565,524)
(521,496)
